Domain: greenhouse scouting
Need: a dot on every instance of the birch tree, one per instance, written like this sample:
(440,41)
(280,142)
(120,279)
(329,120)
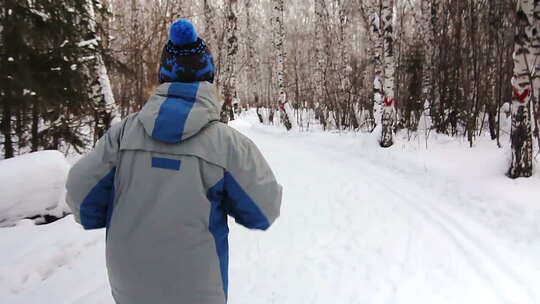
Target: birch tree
(369,11)
(374,11)
(494,72)
(252,59)
(104,104)
(229,85)
(428,21)
(213,39)
(279,35)
(321,62)
(209,26)
(381,35)
(344,69)
(536,72)
(388,110)
(523,91)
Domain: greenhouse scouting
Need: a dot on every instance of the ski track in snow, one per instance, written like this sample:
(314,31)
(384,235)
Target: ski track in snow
(357,226)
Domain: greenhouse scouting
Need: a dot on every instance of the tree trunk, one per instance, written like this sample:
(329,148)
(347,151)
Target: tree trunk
(229,87)
(521,138)
(210,29)
(536,73)
(375,13)
(388,111)
(494,72)
(428,12)
(320,58)
(252,56)
(344,92)
(103,96)
(279,33)
(35,127)
(5,128)
(7,87)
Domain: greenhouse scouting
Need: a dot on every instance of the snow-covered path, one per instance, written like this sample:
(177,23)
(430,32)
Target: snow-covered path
(359,225)
(359,228)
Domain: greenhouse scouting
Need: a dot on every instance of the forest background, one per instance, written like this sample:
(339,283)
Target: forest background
(454,67)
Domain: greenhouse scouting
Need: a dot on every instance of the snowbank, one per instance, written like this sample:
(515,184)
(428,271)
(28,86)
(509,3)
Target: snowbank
(32,185)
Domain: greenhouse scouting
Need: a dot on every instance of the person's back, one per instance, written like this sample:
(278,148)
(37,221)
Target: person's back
(163,182)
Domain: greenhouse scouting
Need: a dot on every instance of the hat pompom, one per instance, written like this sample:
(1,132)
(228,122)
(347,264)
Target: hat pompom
(182,32)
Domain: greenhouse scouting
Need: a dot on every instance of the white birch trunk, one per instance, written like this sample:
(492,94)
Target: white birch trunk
(319,47)
(343,51)
(279,34)
(105,110)
(253,73)
(374,13)
(388,110)
(521,138)
(536,72)
(105,88)
(321,61)
(209,27)
(429,40)
(212,39)
(229,87)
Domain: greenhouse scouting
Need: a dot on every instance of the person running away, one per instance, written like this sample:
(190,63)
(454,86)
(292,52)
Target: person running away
(164,180)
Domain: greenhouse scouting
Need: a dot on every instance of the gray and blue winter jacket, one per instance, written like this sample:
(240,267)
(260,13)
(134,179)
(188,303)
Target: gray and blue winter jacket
(163,182)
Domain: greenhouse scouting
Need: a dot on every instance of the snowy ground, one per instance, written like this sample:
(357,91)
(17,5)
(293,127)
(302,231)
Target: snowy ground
(359,225)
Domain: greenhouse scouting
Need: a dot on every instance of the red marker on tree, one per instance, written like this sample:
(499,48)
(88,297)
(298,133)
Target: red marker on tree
(521,96)
(388,101)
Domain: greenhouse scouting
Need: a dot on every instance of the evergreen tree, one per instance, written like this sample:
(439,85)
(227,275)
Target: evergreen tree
(49,65)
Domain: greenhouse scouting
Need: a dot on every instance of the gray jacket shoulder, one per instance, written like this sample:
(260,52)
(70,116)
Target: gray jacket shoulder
(230,146)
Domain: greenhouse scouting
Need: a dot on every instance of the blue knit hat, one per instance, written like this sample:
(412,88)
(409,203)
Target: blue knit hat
(185,57)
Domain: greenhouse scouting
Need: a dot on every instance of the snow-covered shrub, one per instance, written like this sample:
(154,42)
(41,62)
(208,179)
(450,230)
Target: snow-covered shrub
(32,186)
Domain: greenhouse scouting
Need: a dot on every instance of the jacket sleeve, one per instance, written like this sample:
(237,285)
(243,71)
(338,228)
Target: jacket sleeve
(90,183)
(252,194)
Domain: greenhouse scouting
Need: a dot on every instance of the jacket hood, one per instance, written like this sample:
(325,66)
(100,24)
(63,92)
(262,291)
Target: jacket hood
(177,111)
